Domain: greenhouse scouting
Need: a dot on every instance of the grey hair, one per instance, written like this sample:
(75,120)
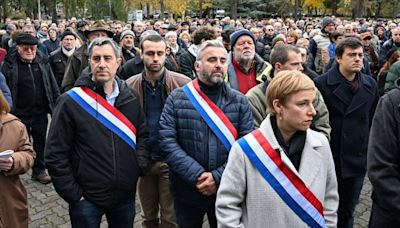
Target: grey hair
(207,44)
(148,32)
(100,41)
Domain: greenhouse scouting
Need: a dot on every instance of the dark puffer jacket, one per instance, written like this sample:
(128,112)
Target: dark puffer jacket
(191,148)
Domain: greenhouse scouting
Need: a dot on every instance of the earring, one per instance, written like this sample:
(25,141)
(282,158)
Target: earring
(280,116)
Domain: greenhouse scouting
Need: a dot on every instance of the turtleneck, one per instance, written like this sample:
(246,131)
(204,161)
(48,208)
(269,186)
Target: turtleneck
(213,92)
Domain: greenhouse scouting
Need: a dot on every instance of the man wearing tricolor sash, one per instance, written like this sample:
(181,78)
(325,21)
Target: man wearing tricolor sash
(198,126)
(96,149)
(282,174)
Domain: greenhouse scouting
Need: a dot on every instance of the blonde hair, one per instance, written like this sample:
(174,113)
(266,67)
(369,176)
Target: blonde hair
(185,33)
(4,106)
(284,84)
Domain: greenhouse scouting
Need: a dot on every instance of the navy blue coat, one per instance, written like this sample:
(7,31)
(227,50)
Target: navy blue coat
(190,147)
(350,118)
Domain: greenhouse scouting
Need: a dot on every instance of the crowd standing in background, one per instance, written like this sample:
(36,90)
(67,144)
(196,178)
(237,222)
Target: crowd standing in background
(158,105)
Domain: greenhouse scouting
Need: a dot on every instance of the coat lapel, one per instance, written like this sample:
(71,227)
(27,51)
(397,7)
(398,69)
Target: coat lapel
(309,172)
(340,91)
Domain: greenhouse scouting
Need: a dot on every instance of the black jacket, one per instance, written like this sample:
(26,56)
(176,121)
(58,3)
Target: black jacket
(10,70)
(384,161)
(58,61)
(84,158)
(350,117)
(135,66)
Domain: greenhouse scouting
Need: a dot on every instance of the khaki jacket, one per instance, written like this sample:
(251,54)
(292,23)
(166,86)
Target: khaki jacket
(13,197)
(258,105)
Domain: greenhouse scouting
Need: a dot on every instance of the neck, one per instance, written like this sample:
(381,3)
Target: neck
(286,134)
(349,76)
(153,77)
(108,87)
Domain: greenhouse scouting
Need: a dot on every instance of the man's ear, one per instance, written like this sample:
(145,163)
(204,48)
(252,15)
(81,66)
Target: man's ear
(119,60)
(197,66)
(278,66)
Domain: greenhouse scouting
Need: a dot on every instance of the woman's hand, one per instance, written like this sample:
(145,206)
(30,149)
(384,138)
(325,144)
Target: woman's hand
(6,164)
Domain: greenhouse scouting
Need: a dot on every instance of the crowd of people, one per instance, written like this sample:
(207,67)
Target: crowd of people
(254,123)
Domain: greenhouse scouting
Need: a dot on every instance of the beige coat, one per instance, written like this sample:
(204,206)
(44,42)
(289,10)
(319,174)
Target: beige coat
(13,197)
(245,198)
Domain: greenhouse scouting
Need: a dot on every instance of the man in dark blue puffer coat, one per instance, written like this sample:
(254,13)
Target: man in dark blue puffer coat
(194,143)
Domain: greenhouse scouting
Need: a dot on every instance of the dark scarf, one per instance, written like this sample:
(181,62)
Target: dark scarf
(295,147)
(354,85)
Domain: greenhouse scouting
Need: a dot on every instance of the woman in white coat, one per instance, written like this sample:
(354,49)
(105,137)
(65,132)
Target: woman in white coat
(282,174)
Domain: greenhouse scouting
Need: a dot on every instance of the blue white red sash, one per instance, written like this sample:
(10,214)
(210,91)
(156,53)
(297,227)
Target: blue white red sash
(212,115)
(282,179)
(105,113)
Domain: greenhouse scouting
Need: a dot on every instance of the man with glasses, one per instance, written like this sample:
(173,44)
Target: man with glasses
(351,98)
(268,36)
(34,92)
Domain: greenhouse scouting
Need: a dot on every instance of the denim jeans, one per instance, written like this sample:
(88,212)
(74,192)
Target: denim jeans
(37,128)
(188,216)
(349,192)
(88,215)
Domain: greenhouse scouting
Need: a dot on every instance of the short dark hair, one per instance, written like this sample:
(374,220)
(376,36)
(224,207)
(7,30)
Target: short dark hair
(226,35)
(335,35)
(280,53)
(206,33)
(153,38)
(347,42)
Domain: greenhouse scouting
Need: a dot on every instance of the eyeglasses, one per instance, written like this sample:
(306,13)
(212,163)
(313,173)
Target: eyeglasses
(367,38)
(28,47)
(270,30)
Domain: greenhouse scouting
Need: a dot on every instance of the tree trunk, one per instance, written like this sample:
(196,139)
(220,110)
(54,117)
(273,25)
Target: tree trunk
(200,8)
(234,5)
(54,11)
(148,10)
(4,5)
(334,7)
(378,8)
(296,9)
(358,9)
(162,7)
(395,8)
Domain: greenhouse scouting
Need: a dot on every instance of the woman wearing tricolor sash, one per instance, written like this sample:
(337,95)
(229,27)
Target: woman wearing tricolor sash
(282,174)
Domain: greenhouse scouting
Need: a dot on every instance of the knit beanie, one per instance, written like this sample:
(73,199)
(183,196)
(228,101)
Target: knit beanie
(127,32)
(326,21)
(67,33)
(242,32)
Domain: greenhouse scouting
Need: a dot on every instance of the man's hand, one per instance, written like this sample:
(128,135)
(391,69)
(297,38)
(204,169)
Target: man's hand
(206,184)
(6,164)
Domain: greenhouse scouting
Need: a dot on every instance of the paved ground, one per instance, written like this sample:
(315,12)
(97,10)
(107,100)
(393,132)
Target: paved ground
(48,210)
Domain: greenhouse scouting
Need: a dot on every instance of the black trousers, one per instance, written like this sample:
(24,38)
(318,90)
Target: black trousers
(37,128)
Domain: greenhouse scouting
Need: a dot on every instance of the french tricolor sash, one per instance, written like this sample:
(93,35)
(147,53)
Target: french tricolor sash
(282,179)
(212,115)
(105,113)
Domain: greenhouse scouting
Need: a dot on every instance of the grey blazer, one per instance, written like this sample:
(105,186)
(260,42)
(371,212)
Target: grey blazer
(245,199)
